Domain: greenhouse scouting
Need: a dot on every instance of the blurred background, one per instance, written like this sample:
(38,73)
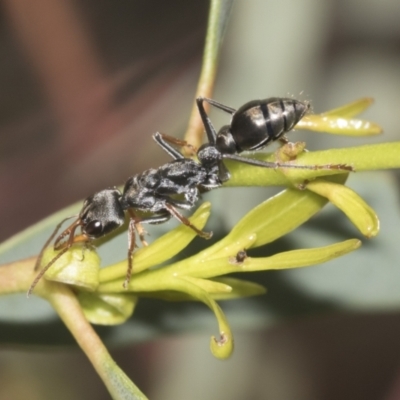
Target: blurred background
(83,87)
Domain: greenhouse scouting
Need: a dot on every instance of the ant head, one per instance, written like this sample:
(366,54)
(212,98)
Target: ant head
(101,213)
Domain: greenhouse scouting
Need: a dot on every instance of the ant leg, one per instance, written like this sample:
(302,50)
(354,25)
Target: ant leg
(183,204)
(163,138)
(275,165)
(162,141)
(142,233)
(283,140)
(185,221)
(220,106)
(208,126)
(131,248)
(135,225)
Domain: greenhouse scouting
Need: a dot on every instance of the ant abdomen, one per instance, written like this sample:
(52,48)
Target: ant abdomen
(259,122)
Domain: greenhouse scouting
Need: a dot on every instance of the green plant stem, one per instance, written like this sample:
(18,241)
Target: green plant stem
(361,158)
(16,277)
(217,21)
(66,304)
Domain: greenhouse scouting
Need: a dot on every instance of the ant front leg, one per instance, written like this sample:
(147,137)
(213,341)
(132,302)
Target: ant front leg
(160,139)
(164,140)
(135,225)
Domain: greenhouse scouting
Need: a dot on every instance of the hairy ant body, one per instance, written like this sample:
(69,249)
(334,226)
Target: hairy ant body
(160,193)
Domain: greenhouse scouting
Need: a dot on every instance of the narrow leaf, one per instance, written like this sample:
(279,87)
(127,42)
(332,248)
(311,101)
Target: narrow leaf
(355,208)
(223,347)
(301,258)
(240,288)
(351,109)
(210,286)
(339,125)
(162,249)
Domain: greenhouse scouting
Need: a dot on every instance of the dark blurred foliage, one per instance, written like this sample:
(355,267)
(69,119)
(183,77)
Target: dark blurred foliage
(84,85)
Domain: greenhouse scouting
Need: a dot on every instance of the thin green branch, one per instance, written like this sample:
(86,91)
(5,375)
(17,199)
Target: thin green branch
(69,309)
(217,22)
(361,158)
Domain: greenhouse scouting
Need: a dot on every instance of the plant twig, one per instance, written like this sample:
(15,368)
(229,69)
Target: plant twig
(217,22)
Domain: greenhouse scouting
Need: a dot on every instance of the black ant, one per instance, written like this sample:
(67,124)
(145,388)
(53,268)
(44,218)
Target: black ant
(253,126)
(159,193)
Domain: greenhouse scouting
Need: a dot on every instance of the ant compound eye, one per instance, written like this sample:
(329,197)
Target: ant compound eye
(94,228)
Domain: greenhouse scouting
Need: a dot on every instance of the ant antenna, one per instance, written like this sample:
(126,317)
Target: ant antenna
(57,228)
(71,231)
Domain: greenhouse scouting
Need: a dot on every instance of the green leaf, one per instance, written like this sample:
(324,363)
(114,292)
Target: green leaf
(300,258)
(339,126)
(351,109)
(276,217)
(356,209)
(210,286)
(78,266)
(39,230)
(239,288)
(221,348)
(106,308)
(339,122)
(161,249)
(361,158)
